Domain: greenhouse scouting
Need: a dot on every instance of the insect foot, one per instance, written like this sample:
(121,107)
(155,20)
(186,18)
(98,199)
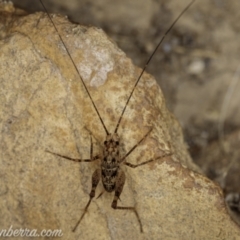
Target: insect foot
(44,105)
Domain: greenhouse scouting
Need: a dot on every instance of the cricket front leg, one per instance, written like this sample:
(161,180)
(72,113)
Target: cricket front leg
(120,180)
(95,180)
(77,159)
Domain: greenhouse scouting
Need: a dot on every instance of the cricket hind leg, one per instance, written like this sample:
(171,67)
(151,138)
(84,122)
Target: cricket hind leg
(95,180)
(120,181)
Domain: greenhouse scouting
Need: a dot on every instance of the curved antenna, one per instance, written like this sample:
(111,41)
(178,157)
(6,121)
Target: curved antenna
(75,68)
(150,58)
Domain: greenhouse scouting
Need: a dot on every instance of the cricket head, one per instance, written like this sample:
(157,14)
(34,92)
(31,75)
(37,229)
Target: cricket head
(112,140)
(111,146)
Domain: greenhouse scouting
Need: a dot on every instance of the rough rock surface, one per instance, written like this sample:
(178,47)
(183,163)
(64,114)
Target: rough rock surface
(44,106)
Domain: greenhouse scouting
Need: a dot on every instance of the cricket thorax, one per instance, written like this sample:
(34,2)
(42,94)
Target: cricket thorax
(110,162)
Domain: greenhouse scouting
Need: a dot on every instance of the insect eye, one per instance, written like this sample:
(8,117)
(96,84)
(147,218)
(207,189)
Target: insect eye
(117,142)
(105,142)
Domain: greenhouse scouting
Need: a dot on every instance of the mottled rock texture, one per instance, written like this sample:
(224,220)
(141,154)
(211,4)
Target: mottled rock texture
(45,106)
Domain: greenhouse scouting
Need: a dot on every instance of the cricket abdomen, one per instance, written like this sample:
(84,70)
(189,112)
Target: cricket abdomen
(110,162)
(109,177)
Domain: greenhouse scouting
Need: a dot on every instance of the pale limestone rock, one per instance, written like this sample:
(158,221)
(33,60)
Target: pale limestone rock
(44,106)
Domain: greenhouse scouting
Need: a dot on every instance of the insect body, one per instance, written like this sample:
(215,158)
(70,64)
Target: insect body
(113,177)
(109,170)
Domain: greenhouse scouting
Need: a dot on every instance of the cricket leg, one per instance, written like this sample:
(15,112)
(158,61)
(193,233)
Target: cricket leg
(118,190)
(95,180)
(131,150)
(77,159)
(143,163)
(148,161)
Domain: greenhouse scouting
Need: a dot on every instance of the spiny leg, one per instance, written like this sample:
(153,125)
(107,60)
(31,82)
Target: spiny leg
(148,161)
(118,190)
(91,134)
(91,147)
(100,194)
(143,163)
(77,159)
(95,180)
(131,150)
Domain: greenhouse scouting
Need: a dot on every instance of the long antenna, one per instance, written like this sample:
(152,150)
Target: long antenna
(75,68)
(150,58)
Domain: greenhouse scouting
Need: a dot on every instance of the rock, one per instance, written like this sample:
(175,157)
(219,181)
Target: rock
(196,67)
(45,106)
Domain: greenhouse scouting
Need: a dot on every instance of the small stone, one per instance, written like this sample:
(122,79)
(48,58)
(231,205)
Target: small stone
(196,67)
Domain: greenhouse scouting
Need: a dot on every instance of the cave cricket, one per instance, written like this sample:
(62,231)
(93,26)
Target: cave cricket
(109,170)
